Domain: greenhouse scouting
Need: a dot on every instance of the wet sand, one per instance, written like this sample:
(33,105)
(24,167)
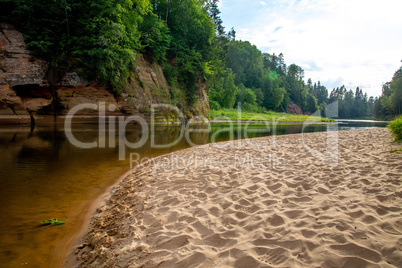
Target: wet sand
(285,201)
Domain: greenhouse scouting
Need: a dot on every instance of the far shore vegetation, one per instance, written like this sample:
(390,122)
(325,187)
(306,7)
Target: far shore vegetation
(102,40)
(233,114)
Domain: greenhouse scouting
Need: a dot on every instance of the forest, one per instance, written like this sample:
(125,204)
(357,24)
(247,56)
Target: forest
(389,104)
(102,38)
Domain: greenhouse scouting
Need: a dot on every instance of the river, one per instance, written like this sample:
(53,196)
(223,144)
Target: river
(43,175)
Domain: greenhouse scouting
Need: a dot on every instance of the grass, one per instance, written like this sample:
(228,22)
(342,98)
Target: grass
(232,114)
(395,127)
(397,150)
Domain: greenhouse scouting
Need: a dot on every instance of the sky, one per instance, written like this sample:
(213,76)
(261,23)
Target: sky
(356,43)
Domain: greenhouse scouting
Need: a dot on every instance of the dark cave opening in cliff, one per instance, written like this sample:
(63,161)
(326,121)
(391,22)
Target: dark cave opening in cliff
(29,92)
(32,91)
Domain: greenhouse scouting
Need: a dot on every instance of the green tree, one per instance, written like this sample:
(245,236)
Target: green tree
(192,31)
(321,93)
(222,90)
(247,98)
(382,108)
(311,104)
(246,61)
(155,38)
(108,37)
(389,104)
(274,92)
(395,97)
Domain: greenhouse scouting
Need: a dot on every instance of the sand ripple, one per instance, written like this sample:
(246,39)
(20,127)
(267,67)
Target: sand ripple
(307,214)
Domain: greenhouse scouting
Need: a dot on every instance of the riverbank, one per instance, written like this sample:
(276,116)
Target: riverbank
(270,116)
(261,203)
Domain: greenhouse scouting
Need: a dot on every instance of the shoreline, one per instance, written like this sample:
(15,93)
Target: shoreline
(130,202)
(24,120)
(84,224)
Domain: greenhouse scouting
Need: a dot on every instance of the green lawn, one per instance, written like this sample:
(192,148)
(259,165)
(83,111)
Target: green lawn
(232,114)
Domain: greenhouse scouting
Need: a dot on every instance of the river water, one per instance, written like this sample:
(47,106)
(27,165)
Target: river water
(43,175)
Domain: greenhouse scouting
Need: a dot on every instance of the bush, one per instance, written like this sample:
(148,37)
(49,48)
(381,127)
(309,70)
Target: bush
(170,74)
(395,127)
(213,105)
(250,107)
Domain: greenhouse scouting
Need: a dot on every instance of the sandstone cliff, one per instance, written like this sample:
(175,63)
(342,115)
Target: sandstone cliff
(29,87)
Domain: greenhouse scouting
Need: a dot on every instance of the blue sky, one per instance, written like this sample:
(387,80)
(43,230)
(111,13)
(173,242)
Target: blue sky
(357,43)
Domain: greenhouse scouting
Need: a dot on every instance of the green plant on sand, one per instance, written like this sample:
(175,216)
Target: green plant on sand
(395,127)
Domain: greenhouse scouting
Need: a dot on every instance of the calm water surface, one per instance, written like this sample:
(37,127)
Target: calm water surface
(43,176)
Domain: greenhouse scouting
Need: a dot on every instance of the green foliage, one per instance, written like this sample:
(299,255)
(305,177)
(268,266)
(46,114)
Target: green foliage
(395,127)
(222,89)
(312,104)
(102,38)
(246,61)
(396,92)
(250,107)
(246,95)
(397,150)
(155,38)
(108,39)
(319,91)
(322,109)
(7,11)
(191,30)
(214,105)
(389,104)
(382,107)
(352,104)
(170,75)
(273,83)
(48,25)
(191,88)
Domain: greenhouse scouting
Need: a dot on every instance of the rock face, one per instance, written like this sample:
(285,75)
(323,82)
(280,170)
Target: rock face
(145,87)
(26,90)
(17,67)
(293,108)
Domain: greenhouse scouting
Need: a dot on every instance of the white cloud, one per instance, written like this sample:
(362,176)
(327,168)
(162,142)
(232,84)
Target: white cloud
(354,41)
(220,5)
(263,3)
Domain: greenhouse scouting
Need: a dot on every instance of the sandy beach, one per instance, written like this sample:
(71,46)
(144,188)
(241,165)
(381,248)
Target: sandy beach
(285,201)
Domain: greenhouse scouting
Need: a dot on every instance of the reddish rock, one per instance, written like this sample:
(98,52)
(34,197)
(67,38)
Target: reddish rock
(17,65)
(10,103)
(25,88)
(70,97)
(146,86)
(37,104)
(293,108)
(72,79)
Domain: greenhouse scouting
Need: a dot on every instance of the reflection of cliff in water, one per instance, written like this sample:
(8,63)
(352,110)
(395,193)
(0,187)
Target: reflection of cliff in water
(223,133)
(43,175)
(42,146)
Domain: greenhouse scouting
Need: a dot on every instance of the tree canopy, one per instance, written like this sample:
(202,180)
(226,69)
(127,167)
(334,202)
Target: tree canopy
(101,39)
(389,104)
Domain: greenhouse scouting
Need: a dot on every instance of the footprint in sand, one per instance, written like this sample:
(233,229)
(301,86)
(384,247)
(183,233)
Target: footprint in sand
(357,251)
(276,256)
